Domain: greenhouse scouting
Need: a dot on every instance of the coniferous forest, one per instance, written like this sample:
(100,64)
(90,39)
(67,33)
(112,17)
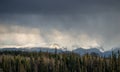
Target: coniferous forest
(19,61)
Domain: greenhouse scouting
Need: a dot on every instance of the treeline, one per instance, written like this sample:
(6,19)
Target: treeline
(18,61)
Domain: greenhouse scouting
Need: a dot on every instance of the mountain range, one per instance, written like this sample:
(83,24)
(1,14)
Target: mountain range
(80,51)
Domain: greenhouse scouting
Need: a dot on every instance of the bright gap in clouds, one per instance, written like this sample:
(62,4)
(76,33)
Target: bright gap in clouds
(18,36)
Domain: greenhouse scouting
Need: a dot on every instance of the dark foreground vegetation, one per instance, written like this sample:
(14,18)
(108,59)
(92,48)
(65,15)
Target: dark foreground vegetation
(17,61)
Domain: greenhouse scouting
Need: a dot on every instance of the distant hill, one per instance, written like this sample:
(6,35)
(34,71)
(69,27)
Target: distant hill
(82,51)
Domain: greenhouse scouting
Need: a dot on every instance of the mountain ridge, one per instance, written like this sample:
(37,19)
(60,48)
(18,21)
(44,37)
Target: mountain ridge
(80,51)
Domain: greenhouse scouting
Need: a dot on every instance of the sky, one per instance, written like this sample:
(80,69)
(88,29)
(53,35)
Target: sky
(66,23)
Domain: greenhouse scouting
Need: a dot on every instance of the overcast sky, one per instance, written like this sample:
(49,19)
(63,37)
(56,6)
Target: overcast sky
(68,23)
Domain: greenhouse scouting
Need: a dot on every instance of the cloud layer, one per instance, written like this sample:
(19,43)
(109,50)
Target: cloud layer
(17,36)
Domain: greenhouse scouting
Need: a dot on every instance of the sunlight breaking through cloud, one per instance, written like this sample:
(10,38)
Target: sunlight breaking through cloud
(18,36)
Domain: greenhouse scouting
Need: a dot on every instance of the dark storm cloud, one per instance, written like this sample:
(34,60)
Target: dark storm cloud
(77,20)
(58,6)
